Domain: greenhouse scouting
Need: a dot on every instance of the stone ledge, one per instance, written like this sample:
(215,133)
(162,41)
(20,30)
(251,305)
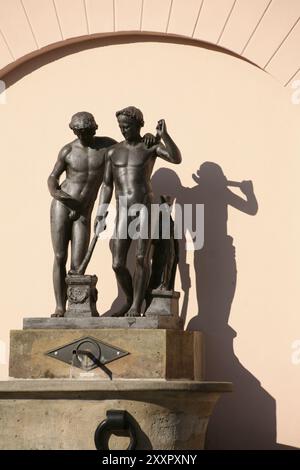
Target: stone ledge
(153,354)
(64,414)
(153,322)
(27,386)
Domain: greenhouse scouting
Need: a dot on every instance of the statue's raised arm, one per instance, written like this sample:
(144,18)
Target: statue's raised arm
(169,151)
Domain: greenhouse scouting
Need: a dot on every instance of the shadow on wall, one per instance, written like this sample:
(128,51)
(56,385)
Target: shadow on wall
(245,419)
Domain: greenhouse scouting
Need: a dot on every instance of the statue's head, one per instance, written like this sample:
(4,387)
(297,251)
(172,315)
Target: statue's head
(83,125)
(130,121)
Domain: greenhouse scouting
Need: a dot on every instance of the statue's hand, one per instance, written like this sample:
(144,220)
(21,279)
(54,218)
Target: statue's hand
(149,140)
(161,128)
(100,224)
(63,197)
(246,187)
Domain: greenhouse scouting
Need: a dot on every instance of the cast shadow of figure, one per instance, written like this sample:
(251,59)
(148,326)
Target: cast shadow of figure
(246,418)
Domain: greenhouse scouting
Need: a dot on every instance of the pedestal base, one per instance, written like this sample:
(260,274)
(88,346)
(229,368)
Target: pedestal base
(163,303)
(82,296)
(152,354)
(64,414)
(155,322)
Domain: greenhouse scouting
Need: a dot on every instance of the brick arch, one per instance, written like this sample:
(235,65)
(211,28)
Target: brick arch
(264,32)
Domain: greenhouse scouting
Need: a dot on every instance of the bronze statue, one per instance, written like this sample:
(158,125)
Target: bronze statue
(165,255)
(83,160)
(129,166)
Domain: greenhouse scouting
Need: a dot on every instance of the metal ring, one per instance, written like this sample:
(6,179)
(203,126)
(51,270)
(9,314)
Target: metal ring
(116,420)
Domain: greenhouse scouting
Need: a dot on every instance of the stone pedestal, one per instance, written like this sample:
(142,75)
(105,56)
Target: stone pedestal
(163,302)
(152,354)
(64,414)
(153,322)
(82,296)
(68,375)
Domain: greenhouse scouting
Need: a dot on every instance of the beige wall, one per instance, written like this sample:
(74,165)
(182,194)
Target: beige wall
(218,109)
(265,32)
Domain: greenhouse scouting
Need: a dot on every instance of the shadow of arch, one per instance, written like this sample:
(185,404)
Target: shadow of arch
(36,59)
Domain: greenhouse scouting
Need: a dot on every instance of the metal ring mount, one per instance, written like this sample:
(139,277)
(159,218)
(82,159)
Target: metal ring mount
(116,420)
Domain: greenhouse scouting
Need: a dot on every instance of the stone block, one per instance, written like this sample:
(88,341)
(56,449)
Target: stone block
(64,414)
(163,303)
(153,354)
(82,296)
(154,322)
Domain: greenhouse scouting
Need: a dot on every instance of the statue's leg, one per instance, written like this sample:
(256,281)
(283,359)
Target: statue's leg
(60,233)
(120,249)
(142,268)
(159,260)
(174,264)
(81,232)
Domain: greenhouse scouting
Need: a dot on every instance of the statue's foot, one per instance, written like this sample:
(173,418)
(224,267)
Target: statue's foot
(132,313)
(123,310)
(72,272)
(58,313)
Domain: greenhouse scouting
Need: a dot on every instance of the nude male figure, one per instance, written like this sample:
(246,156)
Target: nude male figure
(83,160)
(129,166)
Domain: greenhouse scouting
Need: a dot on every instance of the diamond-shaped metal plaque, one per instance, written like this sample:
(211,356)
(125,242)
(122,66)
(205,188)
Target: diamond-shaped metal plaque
(87,353)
